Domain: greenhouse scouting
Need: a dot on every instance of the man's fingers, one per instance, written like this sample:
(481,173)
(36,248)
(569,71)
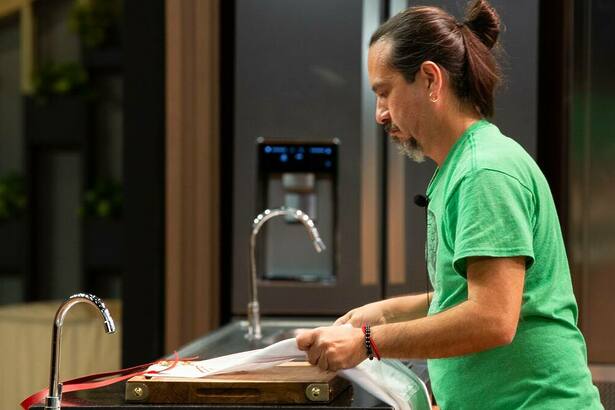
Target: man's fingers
(355,322)
(342,320)
(305,342)
(305,339)
(313,356)
(322,362)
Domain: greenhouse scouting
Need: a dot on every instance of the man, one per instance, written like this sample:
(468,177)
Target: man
(501,328)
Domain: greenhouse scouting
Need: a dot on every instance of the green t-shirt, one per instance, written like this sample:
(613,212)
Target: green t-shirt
(489,198)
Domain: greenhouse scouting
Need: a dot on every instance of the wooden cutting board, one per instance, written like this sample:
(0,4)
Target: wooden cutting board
(289,383)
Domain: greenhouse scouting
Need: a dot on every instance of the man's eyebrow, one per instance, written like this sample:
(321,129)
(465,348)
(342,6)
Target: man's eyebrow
(377,85)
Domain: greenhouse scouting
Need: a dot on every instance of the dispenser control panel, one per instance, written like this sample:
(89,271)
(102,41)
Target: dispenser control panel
(297,157)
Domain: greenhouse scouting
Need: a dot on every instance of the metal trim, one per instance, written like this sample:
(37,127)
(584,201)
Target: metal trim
(370,152)
(602,372)
(586,167)
(396,216)
(396,199)
(397,6)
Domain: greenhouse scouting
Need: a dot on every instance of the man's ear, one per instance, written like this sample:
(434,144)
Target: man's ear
(432,76)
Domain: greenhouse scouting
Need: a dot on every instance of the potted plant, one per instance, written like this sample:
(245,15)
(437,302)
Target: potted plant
(59,79)
(56,112)
(13,203)
(102,211)
(97,23)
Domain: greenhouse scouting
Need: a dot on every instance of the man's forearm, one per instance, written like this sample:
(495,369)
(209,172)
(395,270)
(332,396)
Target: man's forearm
(404,308)
(464,329)
(487,319)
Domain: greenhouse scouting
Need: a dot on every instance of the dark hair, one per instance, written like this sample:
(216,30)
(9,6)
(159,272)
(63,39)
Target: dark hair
(419,34)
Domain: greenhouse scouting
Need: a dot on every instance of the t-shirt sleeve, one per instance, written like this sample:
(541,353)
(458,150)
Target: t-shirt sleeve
(490,214)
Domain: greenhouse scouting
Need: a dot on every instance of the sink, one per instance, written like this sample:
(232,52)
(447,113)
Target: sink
(282,335)
(231,337)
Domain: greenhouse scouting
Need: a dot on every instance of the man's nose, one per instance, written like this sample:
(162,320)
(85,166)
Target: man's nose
(382,115)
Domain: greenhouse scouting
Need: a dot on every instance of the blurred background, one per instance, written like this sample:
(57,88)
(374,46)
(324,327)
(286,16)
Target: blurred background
(139,139)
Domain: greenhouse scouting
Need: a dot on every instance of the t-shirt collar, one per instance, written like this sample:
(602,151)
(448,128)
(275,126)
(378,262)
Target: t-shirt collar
(451,153)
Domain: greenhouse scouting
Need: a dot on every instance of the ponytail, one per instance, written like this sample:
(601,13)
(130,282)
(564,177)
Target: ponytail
(482,74)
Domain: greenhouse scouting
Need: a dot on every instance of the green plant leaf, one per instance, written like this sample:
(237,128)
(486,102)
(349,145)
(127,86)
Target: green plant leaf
(104,200)
(95,21)
(13,199)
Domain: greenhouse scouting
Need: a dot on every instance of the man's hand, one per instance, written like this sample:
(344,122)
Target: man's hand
(334,347)
(373,314)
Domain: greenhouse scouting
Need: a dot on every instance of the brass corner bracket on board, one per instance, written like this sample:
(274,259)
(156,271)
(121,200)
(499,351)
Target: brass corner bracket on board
(317,392)
(136,392)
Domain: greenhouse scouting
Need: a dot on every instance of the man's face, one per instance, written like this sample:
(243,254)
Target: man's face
(399,105)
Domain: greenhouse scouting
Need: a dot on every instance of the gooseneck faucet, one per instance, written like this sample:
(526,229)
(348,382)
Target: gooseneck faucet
(254,321)
(55,387)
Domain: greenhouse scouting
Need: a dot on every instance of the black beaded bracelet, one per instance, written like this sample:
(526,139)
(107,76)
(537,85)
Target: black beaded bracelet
(368,343)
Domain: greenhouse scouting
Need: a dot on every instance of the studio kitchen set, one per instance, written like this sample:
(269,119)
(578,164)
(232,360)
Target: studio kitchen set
(255,362)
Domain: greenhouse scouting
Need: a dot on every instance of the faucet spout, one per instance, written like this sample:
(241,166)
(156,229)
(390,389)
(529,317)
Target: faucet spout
(319,245)
(55,387)
(254,327)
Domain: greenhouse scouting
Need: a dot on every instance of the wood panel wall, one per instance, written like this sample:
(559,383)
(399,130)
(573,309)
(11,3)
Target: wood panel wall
(192,170)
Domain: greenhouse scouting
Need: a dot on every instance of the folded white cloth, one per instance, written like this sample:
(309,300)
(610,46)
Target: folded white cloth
(388,380)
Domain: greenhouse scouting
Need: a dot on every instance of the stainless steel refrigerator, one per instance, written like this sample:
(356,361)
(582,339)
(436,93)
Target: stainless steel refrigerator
(300,77)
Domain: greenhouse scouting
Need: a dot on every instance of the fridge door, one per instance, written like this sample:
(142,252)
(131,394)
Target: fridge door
(301,75)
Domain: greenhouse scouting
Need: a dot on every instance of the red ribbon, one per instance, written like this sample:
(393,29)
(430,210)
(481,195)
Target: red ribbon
(374,348)
(92,381)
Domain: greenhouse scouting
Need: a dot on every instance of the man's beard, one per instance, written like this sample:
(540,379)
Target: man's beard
(411,148)
(408,146)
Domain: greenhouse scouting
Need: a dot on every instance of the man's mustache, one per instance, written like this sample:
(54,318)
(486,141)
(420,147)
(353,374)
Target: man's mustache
(390,127)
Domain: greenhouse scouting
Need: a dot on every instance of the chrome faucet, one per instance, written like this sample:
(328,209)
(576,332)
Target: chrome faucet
(54,396)
(254,321)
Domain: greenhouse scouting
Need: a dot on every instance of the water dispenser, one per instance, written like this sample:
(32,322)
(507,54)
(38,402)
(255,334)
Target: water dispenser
(301,175)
